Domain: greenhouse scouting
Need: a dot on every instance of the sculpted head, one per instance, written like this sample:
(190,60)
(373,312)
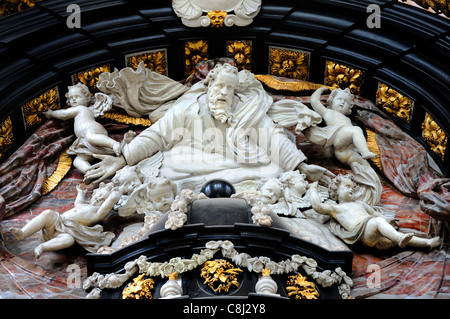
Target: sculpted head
(341,101)
(272,190)
(78,95)
(342,188)
(222,82)
(162,192)
(295,181)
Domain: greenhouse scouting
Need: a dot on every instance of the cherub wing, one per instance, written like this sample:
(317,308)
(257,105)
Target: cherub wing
(102,104)
(138,198)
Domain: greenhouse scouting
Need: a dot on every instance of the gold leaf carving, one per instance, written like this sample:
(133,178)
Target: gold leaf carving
(33,110)
(153,60)
(341,76)
(126,119)
(434,135)
(437,6)
(298,286)
(6,136)
(8,7)
(220,275)
(293,86)
(62,168)
(194,52)
(292,64)
(90,77)
(394,103)
(140,288)
(241,52)
(217,18)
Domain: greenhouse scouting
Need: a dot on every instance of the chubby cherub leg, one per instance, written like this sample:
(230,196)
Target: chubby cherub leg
(47,219)
(360,143)
(105,141)
(59,242)
(379,226)
(82,162)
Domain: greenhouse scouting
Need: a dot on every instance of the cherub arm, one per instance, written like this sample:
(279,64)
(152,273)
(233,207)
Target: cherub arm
(81,194)
(64,114)
(317,205)
(109,203)
(315,101)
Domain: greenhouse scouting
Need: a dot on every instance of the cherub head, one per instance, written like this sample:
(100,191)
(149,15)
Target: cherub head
(295,181)
(162,192)
(343,188)
(272,189)
(78,95)
(101,193)
(128,179)
(341,101)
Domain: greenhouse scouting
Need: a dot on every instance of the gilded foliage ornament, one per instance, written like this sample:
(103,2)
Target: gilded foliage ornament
(434,135)
(6,136)
(241,52)
(194,52)
(437,6)
(140,288)
(33,110)
(394,103)
(153,60)
(289,63)
(12,6)
(341,76)
(298,286)
(90,77)
(220,275)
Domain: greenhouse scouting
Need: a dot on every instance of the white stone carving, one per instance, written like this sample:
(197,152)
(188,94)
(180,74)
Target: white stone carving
(191,11)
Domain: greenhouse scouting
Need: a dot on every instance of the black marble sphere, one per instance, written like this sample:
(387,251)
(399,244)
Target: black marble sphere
(218,188)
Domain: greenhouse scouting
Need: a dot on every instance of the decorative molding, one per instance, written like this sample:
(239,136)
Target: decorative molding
(394,103)
(33,110)
(341,76)
(155,60)
(241,52)
(291,86)
(289,63)
(232,12)
(62,168)
(6,136)
(434,135)
(90,77)
(194,52)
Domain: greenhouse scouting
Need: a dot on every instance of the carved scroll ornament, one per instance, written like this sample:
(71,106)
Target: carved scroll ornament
(198,13)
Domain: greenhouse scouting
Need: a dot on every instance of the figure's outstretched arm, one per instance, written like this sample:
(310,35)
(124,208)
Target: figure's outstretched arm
(64,114)
(315,101)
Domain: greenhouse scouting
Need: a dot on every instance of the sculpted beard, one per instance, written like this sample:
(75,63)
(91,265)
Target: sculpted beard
(220,107)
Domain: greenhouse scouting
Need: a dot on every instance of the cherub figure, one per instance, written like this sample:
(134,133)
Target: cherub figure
(156,197)
(347,140)
(271,190)
(92,137)
(354,221)
(61,231)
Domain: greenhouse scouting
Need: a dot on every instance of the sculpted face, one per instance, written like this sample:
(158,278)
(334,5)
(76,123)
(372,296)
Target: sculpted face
(272,191)
(342,103)
(76,97)
(162,197)
(220,94)
(346,190)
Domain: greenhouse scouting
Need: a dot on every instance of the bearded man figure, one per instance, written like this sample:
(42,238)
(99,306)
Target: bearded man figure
(219,128)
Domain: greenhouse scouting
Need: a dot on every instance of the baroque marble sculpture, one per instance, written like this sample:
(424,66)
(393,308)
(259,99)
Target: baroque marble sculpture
(225,127)
(347,140)
(92,137)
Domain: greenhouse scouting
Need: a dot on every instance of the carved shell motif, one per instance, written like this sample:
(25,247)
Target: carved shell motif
(198,13)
